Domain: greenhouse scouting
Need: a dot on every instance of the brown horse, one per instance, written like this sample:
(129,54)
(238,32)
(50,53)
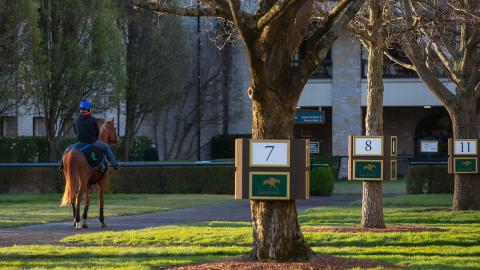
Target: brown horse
(77,175)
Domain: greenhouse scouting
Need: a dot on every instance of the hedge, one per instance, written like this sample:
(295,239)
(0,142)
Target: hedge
(321,181)
(167,180)
(429,179)
(183,180)
(35,149)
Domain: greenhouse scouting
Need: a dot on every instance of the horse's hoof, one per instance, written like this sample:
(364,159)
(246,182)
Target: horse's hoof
(103,225)
(84,225)
(78,227)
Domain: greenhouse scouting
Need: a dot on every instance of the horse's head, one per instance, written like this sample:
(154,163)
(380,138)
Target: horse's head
(108,132)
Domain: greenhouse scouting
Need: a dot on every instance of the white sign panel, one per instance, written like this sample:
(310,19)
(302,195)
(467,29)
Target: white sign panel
(273,153)
(429,146)
(367,146)
(465,147)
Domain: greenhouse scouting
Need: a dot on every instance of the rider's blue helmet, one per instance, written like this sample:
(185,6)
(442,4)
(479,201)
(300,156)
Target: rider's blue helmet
(85,104)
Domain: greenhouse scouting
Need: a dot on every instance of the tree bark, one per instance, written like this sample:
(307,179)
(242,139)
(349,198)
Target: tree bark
(276,231)
(467,186)
(372,209)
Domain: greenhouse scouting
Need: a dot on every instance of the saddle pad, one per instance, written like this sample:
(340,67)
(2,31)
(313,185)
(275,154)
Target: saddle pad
(94,156)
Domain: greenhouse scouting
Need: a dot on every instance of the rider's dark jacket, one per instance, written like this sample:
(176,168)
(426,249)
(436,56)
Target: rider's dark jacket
(86,128)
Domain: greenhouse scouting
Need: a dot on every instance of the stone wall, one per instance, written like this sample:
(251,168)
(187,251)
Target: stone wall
(346,93)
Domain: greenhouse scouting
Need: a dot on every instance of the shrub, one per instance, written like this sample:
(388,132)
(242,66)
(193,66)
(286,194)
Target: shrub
(429,179)
(334,162)
(321,181)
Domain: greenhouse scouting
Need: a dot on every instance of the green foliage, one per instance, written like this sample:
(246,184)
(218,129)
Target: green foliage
(78,53)
(188,180)
(223,146)
(333,162)
(139,146)
(25,209)
(429,179)
(15,50)
(35,149)
(321,181)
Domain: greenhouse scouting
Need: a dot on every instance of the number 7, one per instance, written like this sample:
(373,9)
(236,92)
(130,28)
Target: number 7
(271,150)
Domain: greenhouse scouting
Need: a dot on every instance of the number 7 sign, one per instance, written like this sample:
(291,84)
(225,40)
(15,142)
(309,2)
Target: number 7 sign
(270,153)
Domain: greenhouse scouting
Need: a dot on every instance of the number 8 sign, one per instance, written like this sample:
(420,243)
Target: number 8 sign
(367,145)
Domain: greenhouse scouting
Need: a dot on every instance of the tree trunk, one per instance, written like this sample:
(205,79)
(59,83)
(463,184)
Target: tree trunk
(276,231)
(129,133)
(372,209)
(467,186)
(52,149)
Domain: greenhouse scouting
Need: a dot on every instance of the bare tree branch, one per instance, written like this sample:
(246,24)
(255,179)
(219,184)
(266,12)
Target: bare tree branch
(241,19)
(275,11)
(399,62)
(415,54)
(319,43)
(160,8)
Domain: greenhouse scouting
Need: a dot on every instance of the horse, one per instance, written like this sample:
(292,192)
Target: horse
(78,174)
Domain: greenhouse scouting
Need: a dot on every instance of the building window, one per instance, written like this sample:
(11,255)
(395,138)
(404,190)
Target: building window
(8,126)
(323,71)
(390,69)
(39,126)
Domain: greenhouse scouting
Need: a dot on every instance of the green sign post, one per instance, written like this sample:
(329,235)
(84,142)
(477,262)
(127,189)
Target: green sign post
(368,170)
(465,165)
(310,117)
(270,185)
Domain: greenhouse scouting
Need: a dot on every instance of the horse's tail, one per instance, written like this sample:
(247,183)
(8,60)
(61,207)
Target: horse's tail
(71,179)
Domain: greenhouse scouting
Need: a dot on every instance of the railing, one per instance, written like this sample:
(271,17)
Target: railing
(138,164)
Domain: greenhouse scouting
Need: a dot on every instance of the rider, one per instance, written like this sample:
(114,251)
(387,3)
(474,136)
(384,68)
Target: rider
(87,131)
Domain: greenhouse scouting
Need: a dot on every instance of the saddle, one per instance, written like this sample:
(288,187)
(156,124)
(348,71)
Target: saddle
(94,155)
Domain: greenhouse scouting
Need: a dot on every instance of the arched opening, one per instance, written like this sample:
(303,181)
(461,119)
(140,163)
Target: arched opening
(435,127)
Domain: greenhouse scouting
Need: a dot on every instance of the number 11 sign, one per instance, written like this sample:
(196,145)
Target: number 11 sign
(270,153)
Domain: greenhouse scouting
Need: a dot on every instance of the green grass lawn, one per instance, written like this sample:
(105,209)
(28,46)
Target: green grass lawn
(343,186)
(458,247)
(24,209)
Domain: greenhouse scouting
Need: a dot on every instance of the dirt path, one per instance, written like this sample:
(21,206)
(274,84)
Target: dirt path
(232,211)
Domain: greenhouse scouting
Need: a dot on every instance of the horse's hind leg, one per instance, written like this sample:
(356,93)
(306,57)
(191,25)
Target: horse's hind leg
(85,210)
(77,212)
(101,192)
(72,202)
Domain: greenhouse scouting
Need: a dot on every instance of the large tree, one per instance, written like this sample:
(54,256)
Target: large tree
(370,27)
(80,54)
(17,21)
(272,32)
(442,41)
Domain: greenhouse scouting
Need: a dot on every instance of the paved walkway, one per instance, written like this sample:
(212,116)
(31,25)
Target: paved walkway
(231,211)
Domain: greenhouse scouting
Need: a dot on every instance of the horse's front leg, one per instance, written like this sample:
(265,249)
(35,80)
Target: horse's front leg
(85,210)
(102,186)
